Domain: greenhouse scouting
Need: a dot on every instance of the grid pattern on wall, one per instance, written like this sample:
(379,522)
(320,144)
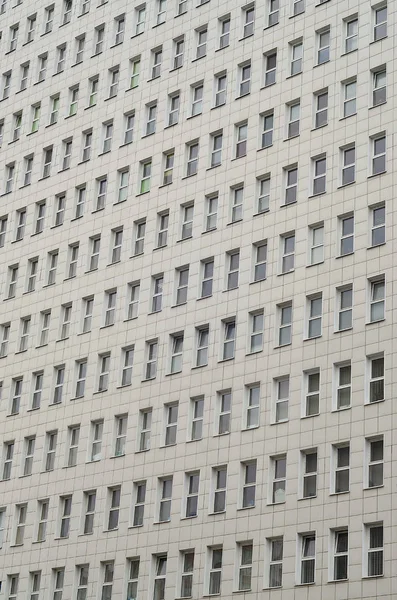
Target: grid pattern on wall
(197,299)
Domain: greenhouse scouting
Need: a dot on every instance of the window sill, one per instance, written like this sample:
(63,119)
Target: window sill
(366,403)
(131,319)
(189,237)
(192,441)
(134,526)
(142,193)
(153,78)
(374,487)
(374,322)
(376,246)
(253,352)
(221,434)
(84,534)
(106,326)
(250,428)
(305,584)
(21,351)
(31,410)
(370,107)
(223,47)
(238,157)
(192,117)
(285,273)
(317,195)
(126,144)
(233,222)
(339,493)
(376,174)
(213,514)
(246,508)
(204,297)
(161,522)
(188,177)
(99,392)
(315,337)
(147,449)
(173,373)
(342,408)
(257,281)
(214,167)
(294,75)
(121,387)
(143,381)
(76,398)
(199,366)
(222,360)
(242,96)
(282,346)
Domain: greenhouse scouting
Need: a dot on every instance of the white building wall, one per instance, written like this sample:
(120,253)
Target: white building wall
(326,511)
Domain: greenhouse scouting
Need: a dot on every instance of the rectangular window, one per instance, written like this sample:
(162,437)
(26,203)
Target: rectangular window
(216,149)
(296,53)
(110,307)
(29,455)
(248,21)
(268,129)
(245,566)
(171,424)
(127,363)
(319,167)
(285,326)
(343,385)
(114,495)
(249,484)
(346,227)
(273,18)
(320,108)
(187,560)
(74,436)
(378,225)
(197,416)
(135,70)
(293,119)
(232,274)
(341,459)
(168,167)
(345,308)
(21,513)
(81,374)
(114,77)
(82,581)
(237,196)
(140,228)
(291,184)
(287,252)
(309,473)
(145,417)
(348,165)
(8,454)
(229,338)
(224,408)
(374,549)
(207,277)
(65,512)
(160,573)
(129,123)
(132,578)
(192,491)
(378,152)
(323,45)
(378,86)
(50,450)
(157,57)
(139,505)
(5,336)
(219,479)
(192,158)
(16,393)
(376,372)
(275,549)
(244,79)
(380,22)
(72,258)
(252,406)
(89,511)
(375,458)
(307,543)
(314,315)
(107,569)
(215,570)
(58,576)
(179,47)
(340,550)
(282,399)
(95,243)
(220,89)
(133,300)
(96,440)
(121,422)
(351,34)
(377,299)
(37,388)
(201,42)
(241,133)
(256,331)
(224,31)
(312,393)
(104,368)
(165,499)
(279,473)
